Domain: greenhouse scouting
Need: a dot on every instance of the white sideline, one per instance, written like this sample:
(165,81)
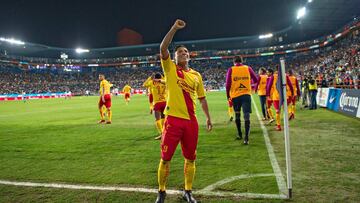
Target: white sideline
(274,163)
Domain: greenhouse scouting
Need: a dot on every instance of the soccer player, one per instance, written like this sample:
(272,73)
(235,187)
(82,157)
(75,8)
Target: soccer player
(296,88)
(127,91)
(147,85)
(184,87)
(273,85)
(261,90)
(105,99)
(238,89)
(158,90)
(269,101)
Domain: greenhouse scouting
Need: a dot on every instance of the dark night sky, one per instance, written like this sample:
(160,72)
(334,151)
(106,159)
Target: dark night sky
(94,24)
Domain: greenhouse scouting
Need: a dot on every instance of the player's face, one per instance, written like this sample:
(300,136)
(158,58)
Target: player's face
(101,77)
(182,56)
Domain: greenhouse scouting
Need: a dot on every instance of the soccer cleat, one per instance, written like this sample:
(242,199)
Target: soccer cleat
(101,121)
(270,121)
(158,137)
(291,116)
(239,137)
(151,111)
(161,197)
(188,197)
(231,118)
(108,122)
(278,128)
(246,140)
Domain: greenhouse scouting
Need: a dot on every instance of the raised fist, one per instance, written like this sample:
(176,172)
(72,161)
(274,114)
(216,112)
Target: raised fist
(179,24)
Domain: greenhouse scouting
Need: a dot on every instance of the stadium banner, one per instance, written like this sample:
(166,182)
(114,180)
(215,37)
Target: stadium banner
(333,99)
(322,97)
(349,102)
(12,97)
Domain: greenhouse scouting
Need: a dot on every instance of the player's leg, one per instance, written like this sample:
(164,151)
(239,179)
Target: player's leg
(151,103)
(237,108)
(100,106)
(188,145)
(269,111)
(293,102)
(246,100)
(230,110)
(277,108)
(173,131)
(263,106)
(108,108)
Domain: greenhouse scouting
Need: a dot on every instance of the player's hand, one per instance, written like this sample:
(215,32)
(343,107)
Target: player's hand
(209,125)
(179,24)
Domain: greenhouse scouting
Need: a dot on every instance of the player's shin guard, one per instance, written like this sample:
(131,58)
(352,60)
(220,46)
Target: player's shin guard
(159,126)
(278,122)
(238,124)
(270,113)
(163,174)
(101,110)
(189,173)
(109,114)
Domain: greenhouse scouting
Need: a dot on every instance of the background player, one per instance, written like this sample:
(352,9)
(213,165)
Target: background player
(105,99)
(127,93)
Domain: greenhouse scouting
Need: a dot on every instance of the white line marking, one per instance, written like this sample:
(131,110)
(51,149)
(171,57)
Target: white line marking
(274,163)
(136,189)
(231,179)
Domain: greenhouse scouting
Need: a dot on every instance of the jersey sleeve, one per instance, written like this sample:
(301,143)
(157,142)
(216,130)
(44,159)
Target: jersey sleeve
(167,64)
(200,90)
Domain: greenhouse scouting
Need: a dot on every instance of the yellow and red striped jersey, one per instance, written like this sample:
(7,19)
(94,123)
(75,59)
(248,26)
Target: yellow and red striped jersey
(104,87)
(183,88)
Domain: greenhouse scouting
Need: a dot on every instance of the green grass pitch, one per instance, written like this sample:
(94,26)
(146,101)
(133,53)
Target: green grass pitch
(59,141)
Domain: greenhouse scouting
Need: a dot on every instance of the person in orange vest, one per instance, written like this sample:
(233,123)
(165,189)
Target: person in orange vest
(276,96)
(261,91)
(295,85)
(238,90)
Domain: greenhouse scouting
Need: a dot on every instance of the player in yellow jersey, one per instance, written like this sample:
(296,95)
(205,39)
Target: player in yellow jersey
(261,91)
(276,87)
(158,90)
(184,87)
(295,84)
(230,110)
(269,100)
(147,84)
(238,89)
(127,93)
(105,99)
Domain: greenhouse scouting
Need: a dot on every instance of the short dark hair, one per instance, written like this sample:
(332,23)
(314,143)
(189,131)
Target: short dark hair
(178,47)
(158,76)
(291,72)
(238,59)
(270,70)
(263,70)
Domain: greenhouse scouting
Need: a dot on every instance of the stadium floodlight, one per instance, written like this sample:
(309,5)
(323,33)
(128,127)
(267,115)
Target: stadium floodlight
(310,1)
(80,50)
(301,13)
(12,41)
(269,35)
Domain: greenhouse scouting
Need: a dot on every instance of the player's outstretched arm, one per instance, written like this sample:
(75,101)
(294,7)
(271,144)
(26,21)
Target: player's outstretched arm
(205,108)
(164,52)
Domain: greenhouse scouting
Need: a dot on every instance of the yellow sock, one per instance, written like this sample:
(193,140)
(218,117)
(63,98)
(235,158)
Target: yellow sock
(159,126)
(290,110)
(162,124)
(163,174)
(278,122)
(293,109)
(189,173)
(109,114)
(101,113)
(230,112)
(270,113)
(151,106)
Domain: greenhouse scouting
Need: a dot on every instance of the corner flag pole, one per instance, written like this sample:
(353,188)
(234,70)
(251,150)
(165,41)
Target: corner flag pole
(286,130)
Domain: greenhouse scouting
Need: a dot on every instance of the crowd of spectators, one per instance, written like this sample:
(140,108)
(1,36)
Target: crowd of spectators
(336,65)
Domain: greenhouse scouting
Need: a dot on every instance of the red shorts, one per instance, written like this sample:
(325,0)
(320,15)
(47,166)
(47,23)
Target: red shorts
(179,130)
(277,104)
(160,106)
(150,98)
(107,102)
(230,103)
(127,95)
(293,100)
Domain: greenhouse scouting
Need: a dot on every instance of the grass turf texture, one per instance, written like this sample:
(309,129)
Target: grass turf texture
(59,141)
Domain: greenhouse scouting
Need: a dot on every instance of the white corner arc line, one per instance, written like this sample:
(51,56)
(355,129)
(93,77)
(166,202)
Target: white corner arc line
(233,178)
(274,163)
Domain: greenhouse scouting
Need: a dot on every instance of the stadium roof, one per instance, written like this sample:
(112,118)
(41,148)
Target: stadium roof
(49,26)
